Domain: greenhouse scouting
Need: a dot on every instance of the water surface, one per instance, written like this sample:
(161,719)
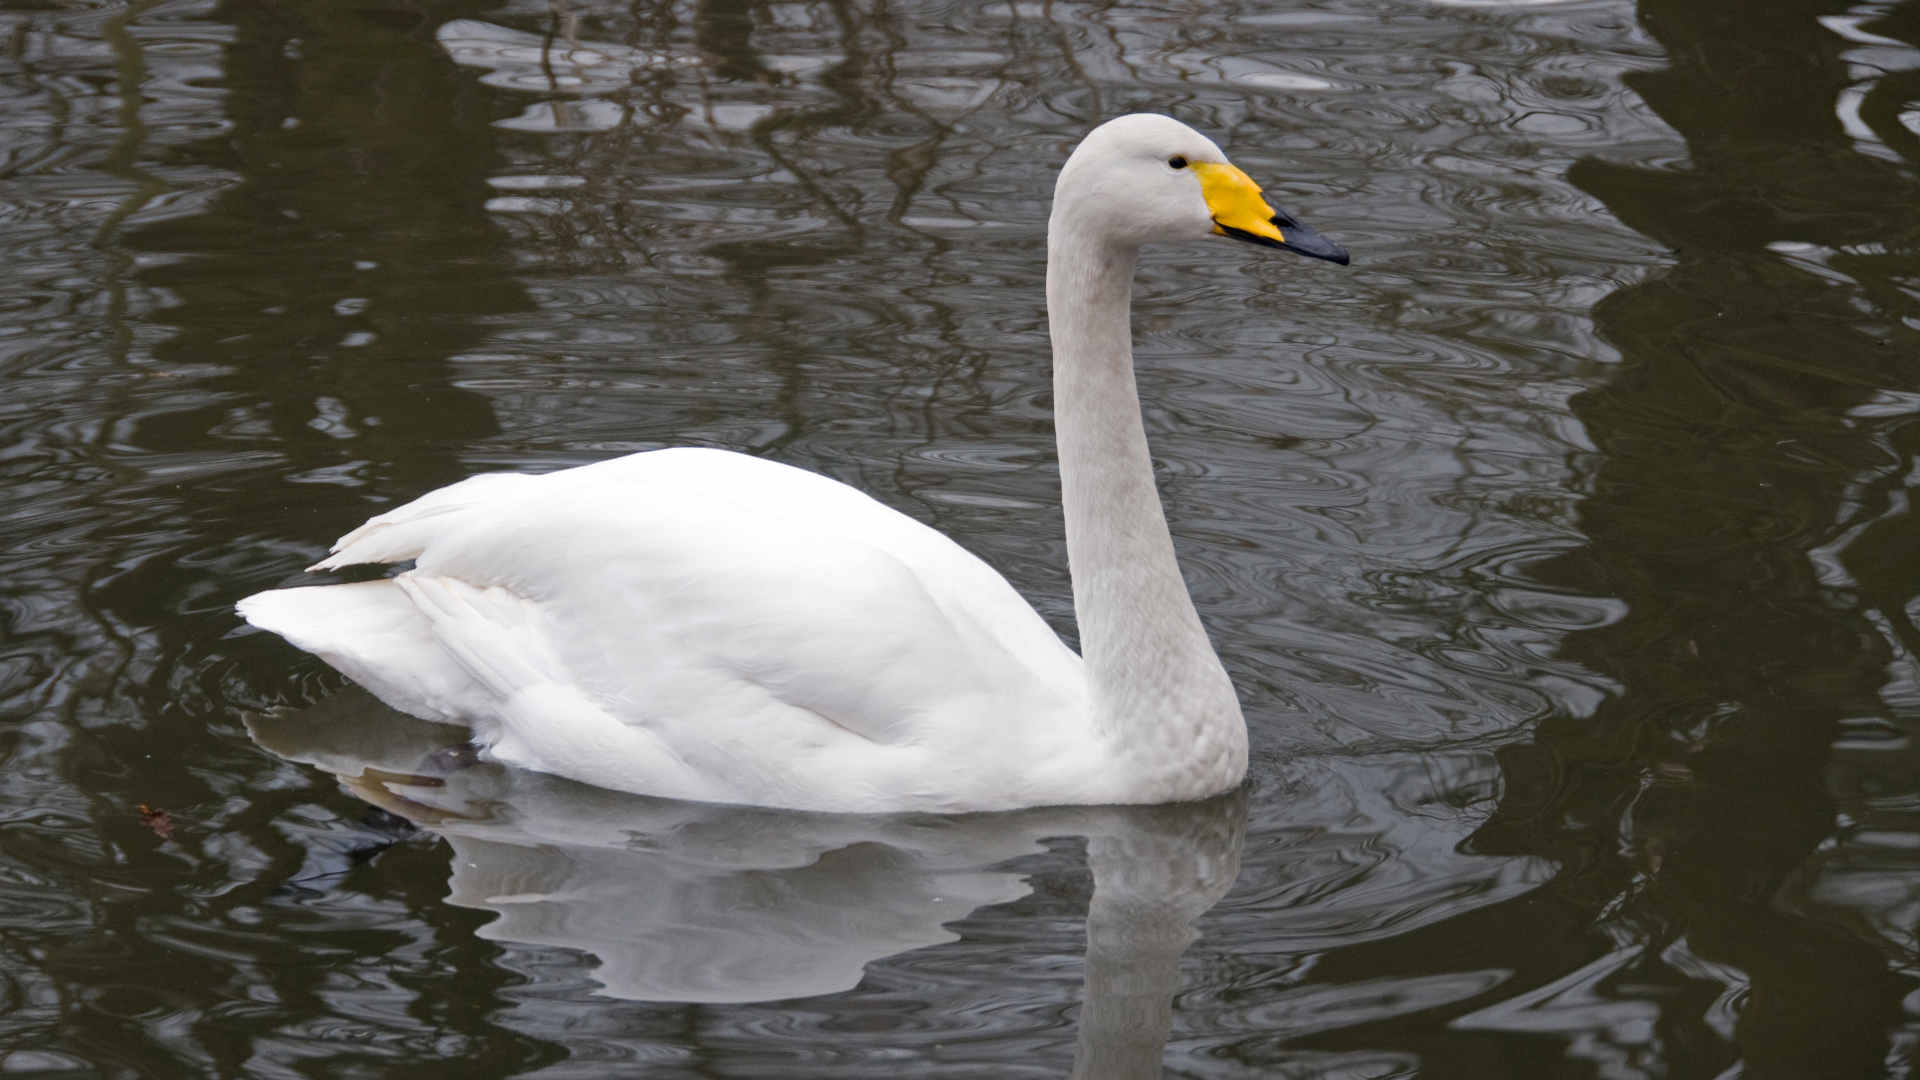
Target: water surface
(1561,548)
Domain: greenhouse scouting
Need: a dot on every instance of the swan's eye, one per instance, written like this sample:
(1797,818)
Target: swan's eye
(1177,161)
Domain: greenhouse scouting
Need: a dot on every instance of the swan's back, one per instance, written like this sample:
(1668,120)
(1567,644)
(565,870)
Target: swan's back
(700,624)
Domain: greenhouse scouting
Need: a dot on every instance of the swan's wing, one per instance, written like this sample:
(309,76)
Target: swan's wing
(737,617)
(403,533)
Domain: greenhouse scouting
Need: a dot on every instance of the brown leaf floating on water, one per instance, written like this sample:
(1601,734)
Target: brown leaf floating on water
(159,821)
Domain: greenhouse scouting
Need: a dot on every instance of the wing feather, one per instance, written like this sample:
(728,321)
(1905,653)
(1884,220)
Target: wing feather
(735,624)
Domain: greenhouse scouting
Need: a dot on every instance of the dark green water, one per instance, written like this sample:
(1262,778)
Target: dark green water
(1562,548)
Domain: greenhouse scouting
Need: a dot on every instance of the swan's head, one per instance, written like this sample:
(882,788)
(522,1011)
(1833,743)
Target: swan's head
(1144,178)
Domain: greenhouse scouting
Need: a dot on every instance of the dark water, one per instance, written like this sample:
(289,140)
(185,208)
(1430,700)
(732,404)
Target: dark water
(1575,518)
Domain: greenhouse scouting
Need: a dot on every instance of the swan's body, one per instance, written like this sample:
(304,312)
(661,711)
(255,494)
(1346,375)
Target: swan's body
(703,625)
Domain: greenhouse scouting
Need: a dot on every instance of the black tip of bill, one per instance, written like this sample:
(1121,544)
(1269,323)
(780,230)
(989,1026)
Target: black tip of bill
(1300,239)
(1303,240)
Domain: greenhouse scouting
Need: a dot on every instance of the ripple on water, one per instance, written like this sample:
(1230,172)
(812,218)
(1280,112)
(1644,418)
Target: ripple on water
(349,255)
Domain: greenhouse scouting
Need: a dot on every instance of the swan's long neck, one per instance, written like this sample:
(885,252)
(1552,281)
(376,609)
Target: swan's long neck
(1158,690)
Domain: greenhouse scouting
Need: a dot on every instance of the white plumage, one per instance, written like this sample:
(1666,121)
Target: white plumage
(686,623)
(699,624)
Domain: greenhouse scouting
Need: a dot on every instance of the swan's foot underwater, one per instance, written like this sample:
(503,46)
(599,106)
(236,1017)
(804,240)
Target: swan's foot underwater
(450,759)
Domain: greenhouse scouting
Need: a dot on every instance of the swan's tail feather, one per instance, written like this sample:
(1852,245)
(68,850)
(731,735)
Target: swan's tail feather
(404,532)
(496,636)
(372,633)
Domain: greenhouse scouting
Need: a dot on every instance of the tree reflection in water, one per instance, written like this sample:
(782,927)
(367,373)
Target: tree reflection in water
(1687,806)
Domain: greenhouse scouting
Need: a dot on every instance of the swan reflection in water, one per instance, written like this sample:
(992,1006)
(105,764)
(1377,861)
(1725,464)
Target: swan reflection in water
(703,903)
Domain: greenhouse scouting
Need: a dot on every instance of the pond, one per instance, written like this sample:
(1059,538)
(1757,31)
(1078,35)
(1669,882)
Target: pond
(1560,548)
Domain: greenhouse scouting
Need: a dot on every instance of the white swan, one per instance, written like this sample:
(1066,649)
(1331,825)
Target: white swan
(704,625)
